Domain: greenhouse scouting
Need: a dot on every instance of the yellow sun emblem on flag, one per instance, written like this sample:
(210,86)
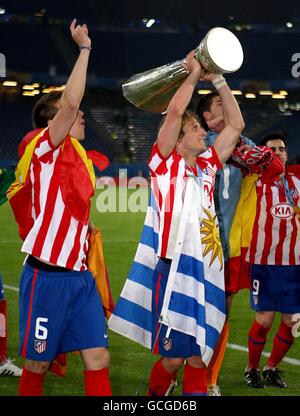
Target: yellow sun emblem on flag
(211,239)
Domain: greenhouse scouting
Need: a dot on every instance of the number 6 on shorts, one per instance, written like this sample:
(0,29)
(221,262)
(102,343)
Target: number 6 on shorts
(41,332)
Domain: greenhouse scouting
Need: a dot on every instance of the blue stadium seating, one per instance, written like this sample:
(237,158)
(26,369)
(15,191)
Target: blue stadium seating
(28,48)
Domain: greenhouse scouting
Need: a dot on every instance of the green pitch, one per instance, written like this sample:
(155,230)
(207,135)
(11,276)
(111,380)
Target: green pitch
(130,363)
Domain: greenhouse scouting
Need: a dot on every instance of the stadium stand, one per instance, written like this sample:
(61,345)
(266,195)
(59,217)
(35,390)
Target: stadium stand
(28,48)
(15,121)
(131,126)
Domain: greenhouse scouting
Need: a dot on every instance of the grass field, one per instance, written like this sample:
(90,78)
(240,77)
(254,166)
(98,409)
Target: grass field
(130,363)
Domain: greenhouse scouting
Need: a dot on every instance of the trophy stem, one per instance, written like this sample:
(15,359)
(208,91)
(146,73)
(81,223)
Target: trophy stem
(152,90)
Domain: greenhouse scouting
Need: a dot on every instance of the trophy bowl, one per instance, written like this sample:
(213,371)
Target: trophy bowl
(220,51)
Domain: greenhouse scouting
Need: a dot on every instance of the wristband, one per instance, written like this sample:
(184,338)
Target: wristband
(85,47)
(219,81)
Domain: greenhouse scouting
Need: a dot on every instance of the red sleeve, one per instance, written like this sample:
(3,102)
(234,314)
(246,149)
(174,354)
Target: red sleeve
(46,137)
(157,162)
(44,148)
(216,159)
(209,156)
(156,151)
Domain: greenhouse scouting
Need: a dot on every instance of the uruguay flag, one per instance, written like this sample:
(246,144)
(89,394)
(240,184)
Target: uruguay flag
(194,301)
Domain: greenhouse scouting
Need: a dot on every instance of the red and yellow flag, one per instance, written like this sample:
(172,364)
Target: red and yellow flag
(96,265)
(241,234)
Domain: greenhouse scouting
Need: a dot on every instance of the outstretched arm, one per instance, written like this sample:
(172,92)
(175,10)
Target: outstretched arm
(233,119)
(73,93)
(169,131)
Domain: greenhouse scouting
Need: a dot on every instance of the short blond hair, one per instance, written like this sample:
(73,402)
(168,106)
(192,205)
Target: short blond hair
(187,116)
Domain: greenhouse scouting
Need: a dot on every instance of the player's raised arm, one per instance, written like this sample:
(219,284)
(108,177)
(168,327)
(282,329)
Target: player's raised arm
(169,131)
(73,93)
(233,119)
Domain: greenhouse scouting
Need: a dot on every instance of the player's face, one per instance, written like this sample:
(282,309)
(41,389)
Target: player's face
(216,112)
(278,148)
(216,108)
(78,128)
(193,139)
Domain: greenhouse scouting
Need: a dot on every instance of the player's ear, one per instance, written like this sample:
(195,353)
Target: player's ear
(207,115)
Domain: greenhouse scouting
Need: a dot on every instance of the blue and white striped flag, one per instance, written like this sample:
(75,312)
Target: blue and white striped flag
(132,314)
(194,301)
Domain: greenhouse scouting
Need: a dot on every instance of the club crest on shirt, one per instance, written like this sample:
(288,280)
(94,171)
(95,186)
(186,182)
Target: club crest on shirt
(39,346)
(282,210)
(294,192)
(167,344)
(255,299)
(209,171)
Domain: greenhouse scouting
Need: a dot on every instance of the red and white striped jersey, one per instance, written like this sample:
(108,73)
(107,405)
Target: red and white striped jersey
(168,185)
(56,236)
(276,230)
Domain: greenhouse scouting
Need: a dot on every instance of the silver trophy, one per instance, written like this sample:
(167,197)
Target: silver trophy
(219,52)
